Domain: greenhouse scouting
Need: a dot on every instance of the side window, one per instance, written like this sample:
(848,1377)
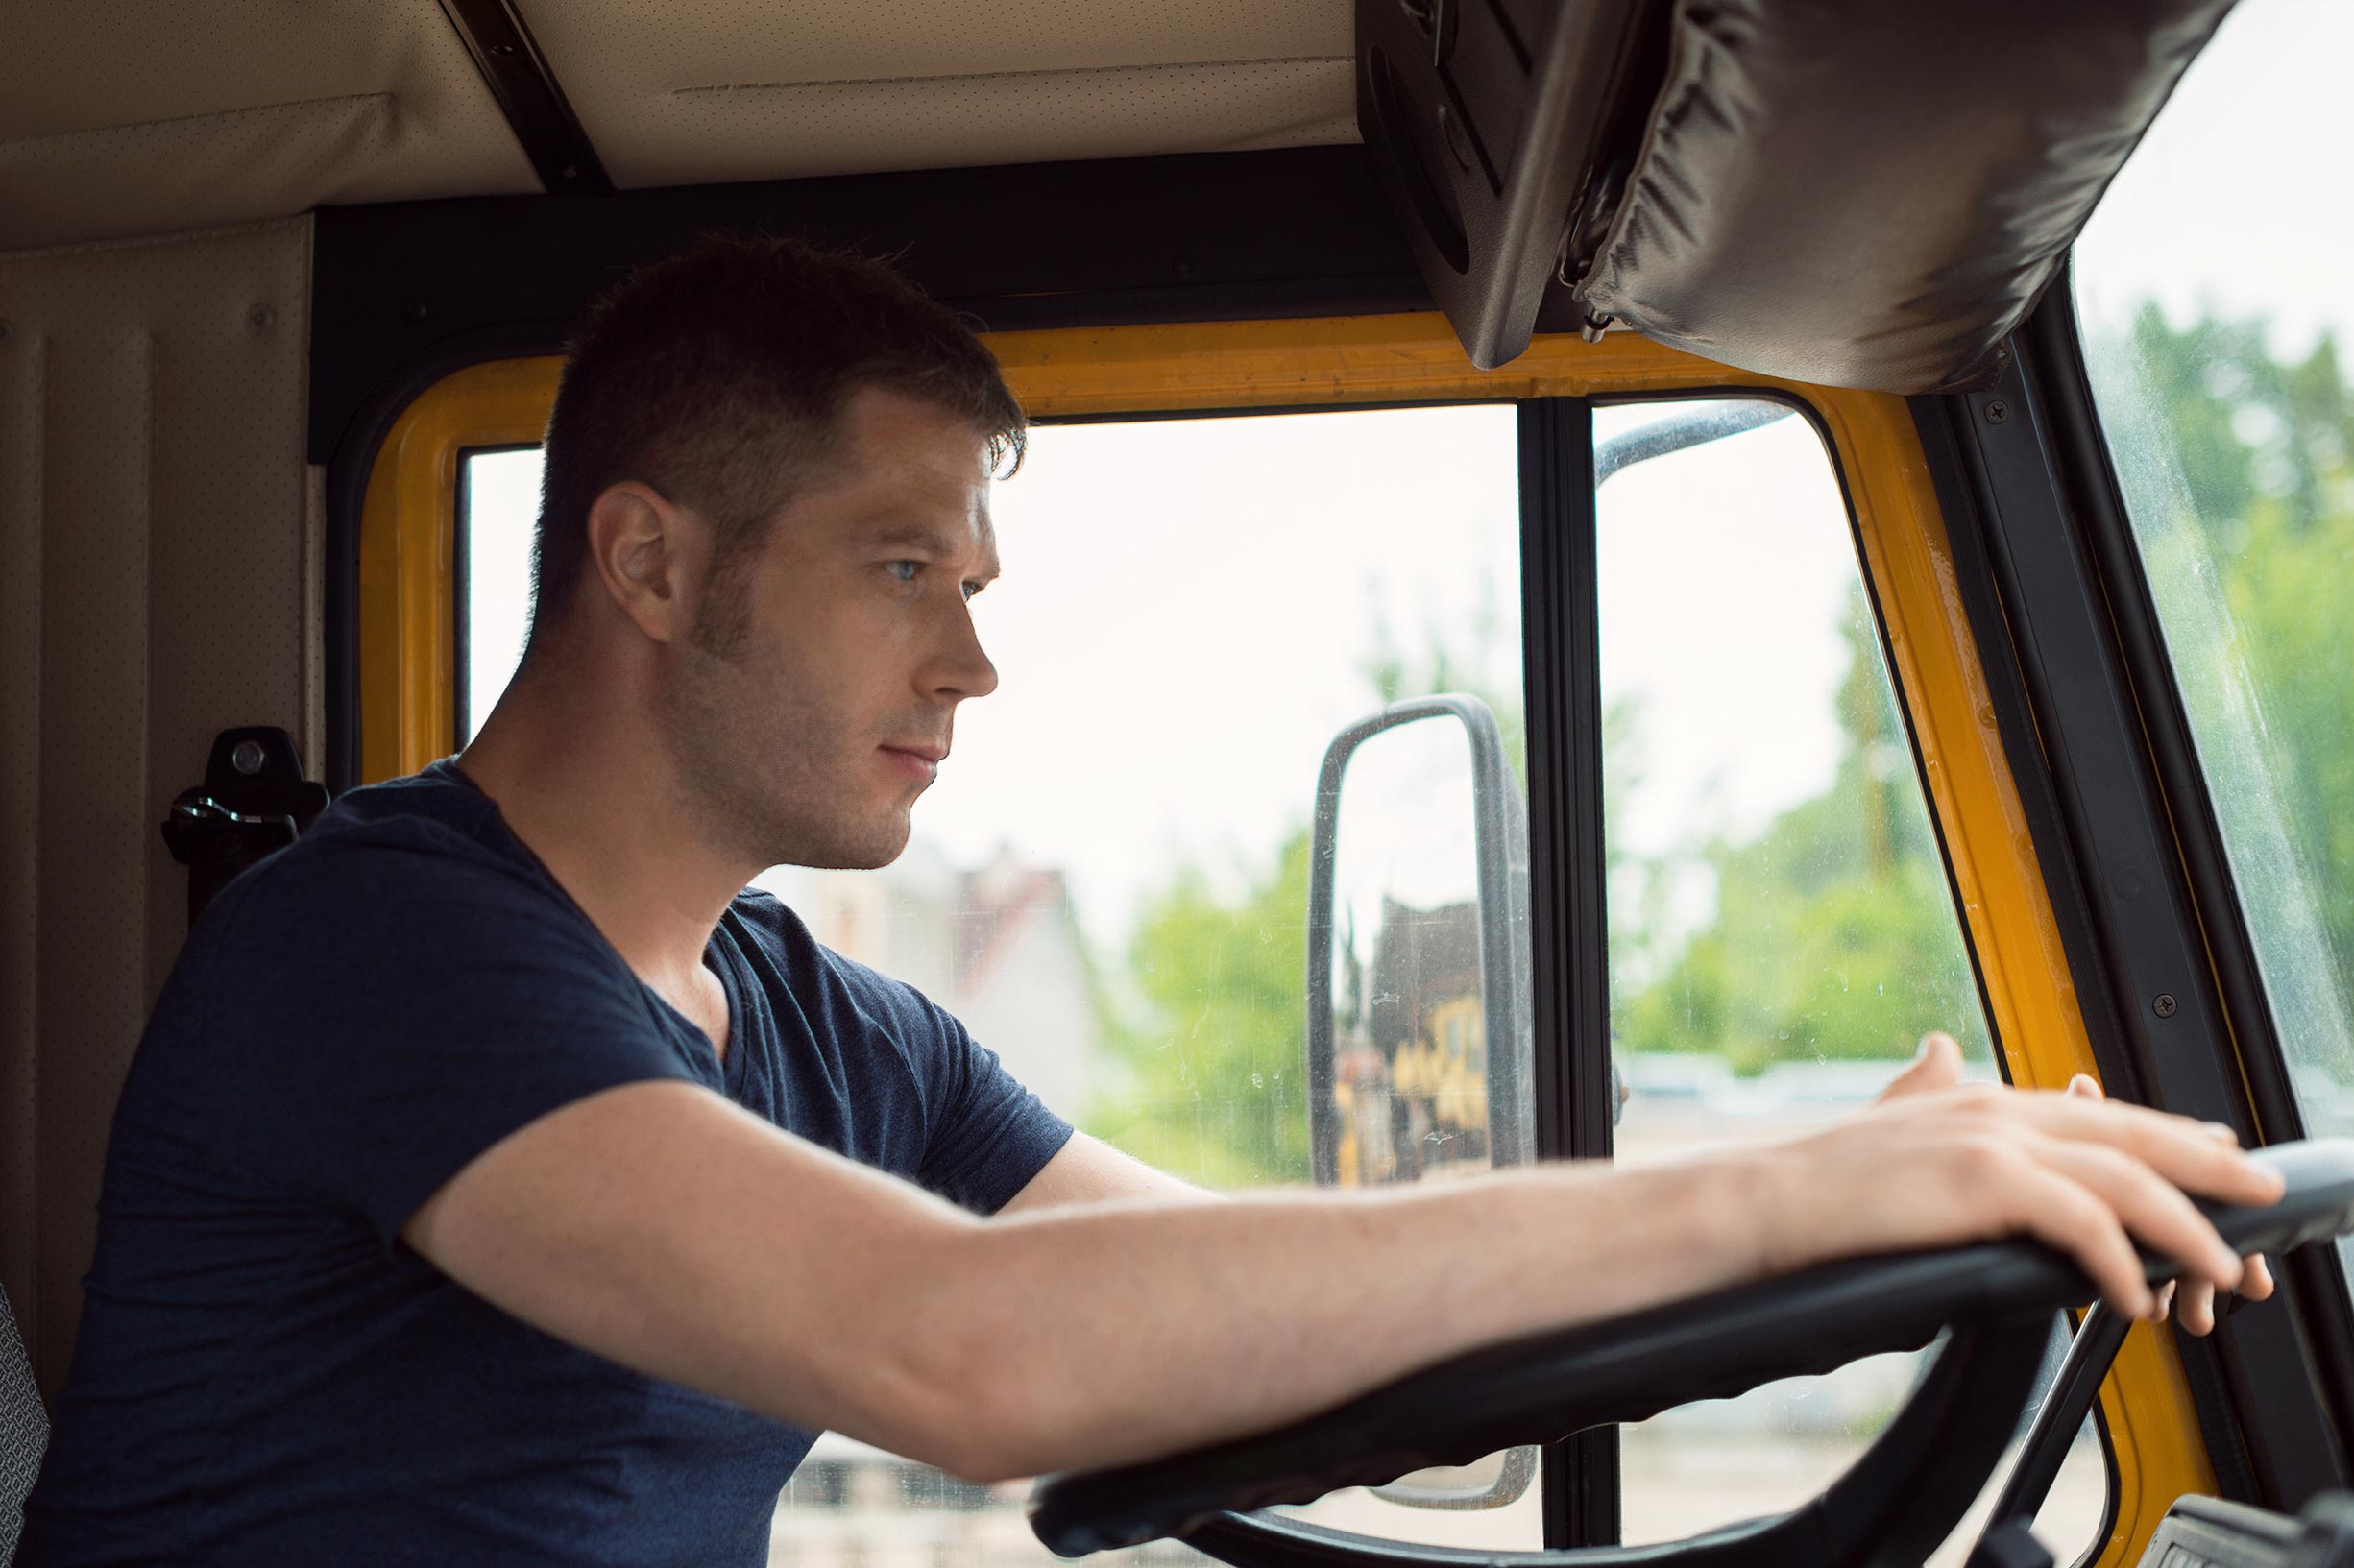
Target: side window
(1782,926)
(1109,881)
(498,502)
(2229,413)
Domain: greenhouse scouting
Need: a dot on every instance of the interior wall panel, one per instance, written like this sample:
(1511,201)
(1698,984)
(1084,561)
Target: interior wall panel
(151,440)
(22,361)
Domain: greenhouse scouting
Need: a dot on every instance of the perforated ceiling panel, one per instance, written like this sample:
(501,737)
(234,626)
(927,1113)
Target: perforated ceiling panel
(700,90)
(125,117)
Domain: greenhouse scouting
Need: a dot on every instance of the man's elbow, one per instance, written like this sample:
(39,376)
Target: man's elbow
(964,1383)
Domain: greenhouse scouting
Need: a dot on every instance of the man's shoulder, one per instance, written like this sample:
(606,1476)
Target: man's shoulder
(411,856)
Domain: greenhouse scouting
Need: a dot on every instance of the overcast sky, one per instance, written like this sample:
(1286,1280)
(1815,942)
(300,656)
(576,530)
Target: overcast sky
(2237,200)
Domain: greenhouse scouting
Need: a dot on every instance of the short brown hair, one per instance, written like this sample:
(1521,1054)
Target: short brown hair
(718,378)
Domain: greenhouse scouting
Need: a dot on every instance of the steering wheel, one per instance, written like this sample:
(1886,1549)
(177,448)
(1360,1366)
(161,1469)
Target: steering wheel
(1992,1302)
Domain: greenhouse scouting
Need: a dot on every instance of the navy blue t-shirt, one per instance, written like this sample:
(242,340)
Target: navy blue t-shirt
(265,1374)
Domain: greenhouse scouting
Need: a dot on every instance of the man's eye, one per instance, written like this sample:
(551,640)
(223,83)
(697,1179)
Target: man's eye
(903,570)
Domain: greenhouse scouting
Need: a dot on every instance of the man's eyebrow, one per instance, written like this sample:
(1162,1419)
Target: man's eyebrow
(900,534)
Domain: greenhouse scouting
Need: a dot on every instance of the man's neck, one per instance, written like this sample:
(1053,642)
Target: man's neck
(602,813)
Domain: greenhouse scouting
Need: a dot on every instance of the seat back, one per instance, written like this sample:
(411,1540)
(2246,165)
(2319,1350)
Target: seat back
(24,1430)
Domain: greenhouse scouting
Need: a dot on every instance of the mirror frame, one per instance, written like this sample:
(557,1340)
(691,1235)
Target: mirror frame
(1507,1002)
(1500,848)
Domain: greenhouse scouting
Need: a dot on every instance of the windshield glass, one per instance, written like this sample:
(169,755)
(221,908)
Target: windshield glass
(2217,372)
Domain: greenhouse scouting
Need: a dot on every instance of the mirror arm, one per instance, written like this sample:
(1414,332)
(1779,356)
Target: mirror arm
(1694,425)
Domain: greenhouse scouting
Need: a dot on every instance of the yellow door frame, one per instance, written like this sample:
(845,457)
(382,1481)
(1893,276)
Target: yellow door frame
(407,688)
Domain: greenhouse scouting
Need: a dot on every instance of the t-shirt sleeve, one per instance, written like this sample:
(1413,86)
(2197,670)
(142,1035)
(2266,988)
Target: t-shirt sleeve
(376,1016)
(989,1135)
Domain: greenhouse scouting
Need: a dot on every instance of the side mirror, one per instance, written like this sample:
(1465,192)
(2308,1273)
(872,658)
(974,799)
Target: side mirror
(1420,1010)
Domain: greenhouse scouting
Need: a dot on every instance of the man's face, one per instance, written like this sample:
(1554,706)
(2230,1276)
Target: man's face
(806,714)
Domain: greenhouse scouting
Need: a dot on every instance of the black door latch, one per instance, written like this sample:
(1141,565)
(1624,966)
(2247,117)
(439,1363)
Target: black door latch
(254,802)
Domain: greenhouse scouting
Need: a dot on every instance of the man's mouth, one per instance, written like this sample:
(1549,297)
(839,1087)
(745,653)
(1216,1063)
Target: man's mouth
(919,761)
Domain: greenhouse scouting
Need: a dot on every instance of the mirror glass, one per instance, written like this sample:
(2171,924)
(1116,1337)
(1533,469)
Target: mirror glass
(1411,1054)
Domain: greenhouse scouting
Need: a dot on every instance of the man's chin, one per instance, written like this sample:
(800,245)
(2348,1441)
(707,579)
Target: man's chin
(870,851)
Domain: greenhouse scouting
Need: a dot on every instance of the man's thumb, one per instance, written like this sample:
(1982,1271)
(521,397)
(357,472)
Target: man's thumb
(1938,1065)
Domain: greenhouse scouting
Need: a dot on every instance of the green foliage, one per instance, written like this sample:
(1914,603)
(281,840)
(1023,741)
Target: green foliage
(1834,936)
(2254,572)
(1218,1045)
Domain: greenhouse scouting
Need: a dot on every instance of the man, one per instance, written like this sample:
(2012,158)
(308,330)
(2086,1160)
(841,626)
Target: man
(499,1181)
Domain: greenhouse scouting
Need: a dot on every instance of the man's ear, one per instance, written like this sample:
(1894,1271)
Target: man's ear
(645,550)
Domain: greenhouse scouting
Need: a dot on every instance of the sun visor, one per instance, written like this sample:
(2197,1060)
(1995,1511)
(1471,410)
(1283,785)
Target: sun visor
(1485,119)
(1851,192)
(1871,195)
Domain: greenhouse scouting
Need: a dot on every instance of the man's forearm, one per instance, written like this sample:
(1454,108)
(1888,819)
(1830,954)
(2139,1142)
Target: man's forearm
(1096,1336)
(829,1295)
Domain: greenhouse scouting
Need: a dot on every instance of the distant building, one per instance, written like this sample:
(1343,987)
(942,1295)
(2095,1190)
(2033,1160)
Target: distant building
(997,945)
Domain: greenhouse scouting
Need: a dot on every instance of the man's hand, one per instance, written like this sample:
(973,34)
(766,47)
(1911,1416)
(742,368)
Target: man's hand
(2198,1300)
(1936,1162)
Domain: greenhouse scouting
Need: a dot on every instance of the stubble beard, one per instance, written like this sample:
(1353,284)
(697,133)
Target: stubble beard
(751,754)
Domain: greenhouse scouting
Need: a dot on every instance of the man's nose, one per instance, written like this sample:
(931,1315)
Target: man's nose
(963,669)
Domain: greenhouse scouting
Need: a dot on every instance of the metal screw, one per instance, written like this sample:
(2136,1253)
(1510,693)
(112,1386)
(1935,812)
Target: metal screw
(246,757)
(568,172)
(502,49)
(1457,143)
(2164,1005)
(1998,411)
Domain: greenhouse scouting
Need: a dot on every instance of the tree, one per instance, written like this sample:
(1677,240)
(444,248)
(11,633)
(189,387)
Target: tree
(1216,1058)
(1833,935)
(2240,471)
(1213,1027)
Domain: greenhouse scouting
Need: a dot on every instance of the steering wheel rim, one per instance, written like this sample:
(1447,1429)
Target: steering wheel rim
(1631,1367)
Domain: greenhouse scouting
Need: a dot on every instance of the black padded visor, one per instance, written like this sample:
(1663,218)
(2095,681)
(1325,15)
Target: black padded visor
(1873,193)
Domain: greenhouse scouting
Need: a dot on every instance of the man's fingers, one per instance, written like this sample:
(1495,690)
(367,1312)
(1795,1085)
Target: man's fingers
(2192,1307)
(2152,1209)
(2064,1215)
(2181,1150)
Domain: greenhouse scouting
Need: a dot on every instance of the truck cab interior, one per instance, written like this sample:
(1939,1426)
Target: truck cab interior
(1663,548)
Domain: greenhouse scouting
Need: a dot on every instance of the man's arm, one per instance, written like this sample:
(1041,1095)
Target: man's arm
(831,1295)
(1089,1171)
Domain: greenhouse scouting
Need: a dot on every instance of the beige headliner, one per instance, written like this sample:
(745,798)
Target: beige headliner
(125,117)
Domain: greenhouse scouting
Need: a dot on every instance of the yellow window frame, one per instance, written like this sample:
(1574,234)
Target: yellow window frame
(407,677)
